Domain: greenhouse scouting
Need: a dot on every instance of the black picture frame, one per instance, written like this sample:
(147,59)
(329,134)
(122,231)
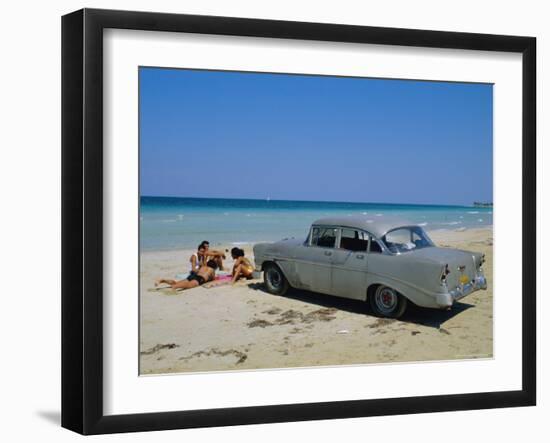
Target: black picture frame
(82,218)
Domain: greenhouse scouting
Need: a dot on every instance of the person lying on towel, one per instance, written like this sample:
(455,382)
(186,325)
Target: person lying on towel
(204,274)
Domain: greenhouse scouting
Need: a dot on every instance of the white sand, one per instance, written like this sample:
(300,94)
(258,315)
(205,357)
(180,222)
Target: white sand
(244,327)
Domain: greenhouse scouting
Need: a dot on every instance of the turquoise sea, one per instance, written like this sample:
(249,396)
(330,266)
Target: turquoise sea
(178,223)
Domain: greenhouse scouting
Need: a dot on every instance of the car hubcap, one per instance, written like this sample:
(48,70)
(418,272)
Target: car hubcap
(386,300)
(274,278)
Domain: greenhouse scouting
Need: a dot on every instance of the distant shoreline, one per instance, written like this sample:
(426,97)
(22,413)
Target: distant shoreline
(331,202)
(168,222)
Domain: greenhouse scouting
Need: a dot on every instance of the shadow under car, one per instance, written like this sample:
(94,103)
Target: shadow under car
(414,314)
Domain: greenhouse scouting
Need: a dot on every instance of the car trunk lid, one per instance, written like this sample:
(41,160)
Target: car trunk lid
(461,264)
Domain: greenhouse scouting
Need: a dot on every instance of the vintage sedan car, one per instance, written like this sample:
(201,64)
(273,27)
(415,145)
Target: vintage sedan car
(385,262)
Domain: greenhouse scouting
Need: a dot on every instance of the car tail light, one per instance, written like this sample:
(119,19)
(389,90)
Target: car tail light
(444,272)
(481,261)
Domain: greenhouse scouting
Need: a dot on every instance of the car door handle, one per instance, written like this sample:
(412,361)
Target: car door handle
(360,256)
(328,253)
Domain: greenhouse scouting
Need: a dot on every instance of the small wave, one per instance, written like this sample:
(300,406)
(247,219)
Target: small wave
(365,213)
(240,243)
(169,221)
(379,215)
(460,229)
(452,223)
(461,216)
(479,219)
(423,224)
(180,216)
(473,212)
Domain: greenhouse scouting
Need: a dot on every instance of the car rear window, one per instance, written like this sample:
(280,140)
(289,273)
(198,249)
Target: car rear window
(354,240)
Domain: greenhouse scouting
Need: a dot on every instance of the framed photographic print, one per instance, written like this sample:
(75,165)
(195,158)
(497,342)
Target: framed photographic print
(269,221)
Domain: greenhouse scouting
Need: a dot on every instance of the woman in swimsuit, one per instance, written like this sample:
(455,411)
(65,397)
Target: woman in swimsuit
(205,274)
(242,266)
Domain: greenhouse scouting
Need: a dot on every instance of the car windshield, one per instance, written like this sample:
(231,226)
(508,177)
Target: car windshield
(406,239)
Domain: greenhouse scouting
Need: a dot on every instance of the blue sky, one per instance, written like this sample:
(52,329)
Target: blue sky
(292,137)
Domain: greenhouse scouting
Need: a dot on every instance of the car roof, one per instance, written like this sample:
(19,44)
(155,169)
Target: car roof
(377,225)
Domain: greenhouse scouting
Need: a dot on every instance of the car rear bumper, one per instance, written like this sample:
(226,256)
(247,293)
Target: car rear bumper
(446,300)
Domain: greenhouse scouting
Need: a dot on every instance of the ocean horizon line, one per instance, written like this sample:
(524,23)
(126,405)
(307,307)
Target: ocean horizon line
(269,199)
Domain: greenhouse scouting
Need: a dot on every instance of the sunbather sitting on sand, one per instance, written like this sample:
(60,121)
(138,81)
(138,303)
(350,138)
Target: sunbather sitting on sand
(205,274)
(242,267)
(210,254)
(204,254)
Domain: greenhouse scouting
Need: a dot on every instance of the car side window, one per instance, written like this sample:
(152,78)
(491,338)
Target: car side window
(374,246)
(323,237)
(353,240)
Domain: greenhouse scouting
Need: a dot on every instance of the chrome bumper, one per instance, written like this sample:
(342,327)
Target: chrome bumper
(447,299)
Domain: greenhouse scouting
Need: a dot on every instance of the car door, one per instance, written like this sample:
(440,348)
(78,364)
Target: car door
(349,265)
(314,259)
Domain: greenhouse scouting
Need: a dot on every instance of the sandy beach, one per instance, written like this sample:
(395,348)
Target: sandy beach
(228,328)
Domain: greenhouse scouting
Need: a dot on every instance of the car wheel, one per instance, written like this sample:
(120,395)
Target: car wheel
(387,302)
(274,280)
